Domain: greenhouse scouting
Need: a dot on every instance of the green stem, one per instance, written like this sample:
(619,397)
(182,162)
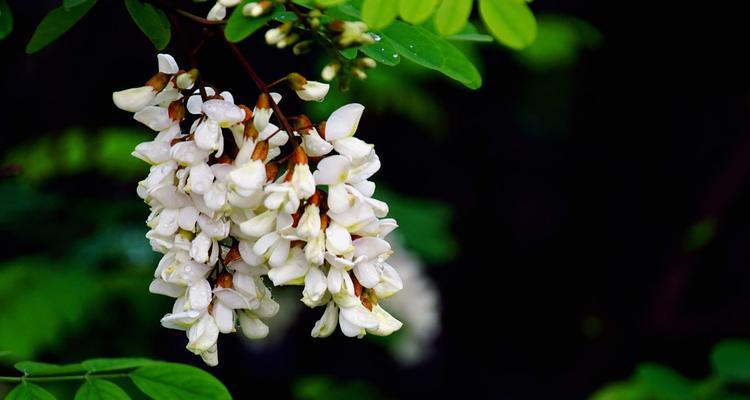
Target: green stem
(60,378)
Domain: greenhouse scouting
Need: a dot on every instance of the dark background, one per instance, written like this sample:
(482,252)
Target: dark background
(574,193)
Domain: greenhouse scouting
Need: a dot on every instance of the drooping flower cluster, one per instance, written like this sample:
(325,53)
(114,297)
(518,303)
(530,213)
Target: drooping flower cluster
(236,201)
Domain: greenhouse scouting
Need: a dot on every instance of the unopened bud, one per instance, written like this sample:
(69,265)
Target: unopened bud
(299,156)
(232,255)
(330,71)
(272,171)
(296,81)
(275,35)
(302,47)
(359,73)
(288,40)
(224,280)
(366,62)
(264,102)
(186,80)
(256,8)
(323,222)
(315,198)
(250,132)
(321,128)
(261,151)
(302,124)
(158,81)
(176,110)
(248,112)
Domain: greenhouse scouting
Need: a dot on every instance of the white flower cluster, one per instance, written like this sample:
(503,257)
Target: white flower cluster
(234,198)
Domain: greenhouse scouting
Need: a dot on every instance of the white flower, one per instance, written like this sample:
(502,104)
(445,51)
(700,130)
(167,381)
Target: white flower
(303,181)
(134,99)
(217,13)
(313,91)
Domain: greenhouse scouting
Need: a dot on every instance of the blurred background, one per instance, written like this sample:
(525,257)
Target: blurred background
(584,212)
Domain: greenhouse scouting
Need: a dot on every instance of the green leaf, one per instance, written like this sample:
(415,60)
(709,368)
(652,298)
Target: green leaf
(60,299)
(378,14)
(115,364)
(510,21)
(559,41)
(282,15)
(383,52)
(151,21)
(730,360)
(429,50)
(32,368)
(240,27)
(72,3)
(470,34)
(350,53)
(57,22)
(621,391)
(452,15)
(329,3)
(169,381)
(416,11)
(6,19)
(29,391)
(100,389)
(663,383)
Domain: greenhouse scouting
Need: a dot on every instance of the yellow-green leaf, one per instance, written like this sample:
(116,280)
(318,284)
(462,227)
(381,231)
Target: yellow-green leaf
(378,14)
(416,11)
(451,16)
(510,21)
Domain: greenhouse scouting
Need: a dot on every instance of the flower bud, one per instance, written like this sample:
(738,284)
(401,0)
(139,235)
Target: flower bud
(261,151)
(302,124)
(186,80)
(287,40)
(272,171)
(224,280)
(330,71)
(248,112)
(366,62)
(359,73)
(135,99)
(176,110)
(275,35)
(302,47)
(256,8)
(158,81)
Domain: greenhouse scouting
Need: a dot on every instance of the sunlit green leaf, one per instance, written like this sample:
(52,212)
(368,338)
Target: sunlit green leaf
(663,383)
(114,364)
(378,14)
(469,33)
(429,50)
(57,22)
(730,359)
(240,26)
(383,52)
(29,391)
(329,3)
(151,21)
(169,381)
(100,389)
(416,11)
(452,15)
(510,21)
(33,368)
(6,19)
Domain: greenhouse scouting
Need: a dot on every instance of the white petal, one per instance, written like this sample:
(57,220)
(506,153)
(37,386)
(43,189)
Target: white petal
(159,286)
(353,147)
(167,64)
(367,273)
(316,285)
(325,326)
(135,99)
(207,135)
(234,299)
(338,239)
(224,317)
(343,122)
(252,327)
(332,170)
(386,323)
(360,316)
(156,118)
(338,198)
(314,145)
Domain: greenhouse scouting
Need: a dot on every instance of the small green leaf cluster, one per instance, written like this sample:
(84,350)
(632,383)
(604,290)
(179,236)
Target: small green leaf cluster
(730,362)
(156,379)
